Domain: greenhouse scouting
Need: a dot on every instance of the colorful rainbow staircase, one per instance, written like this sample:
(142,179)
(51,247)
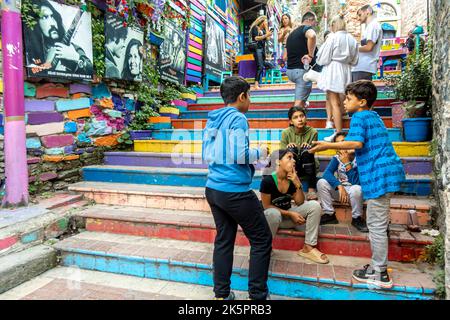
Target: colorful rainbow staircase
(151,218)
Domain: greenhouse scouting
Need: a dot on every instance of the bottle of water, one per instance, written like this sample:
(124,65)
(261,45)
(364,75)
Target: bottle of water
(306,66)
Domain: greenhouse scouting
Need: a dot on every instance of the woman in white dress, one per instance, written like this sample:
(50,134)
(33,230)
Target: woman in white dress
(337,55)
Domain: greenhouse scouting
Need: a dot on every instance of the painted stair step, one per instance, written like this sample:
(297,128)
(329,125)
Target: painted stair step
(278,105)
(264,123)
(342,239)
(281,98)
(414,185)
(183,148)
(413,166)
(193,198)
(395,134)
(190,262)
(279,113)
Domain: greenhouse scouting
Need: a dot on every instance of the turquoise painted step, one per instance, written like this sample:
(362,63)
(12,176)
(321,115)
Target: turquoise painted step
(189,262)
(255,134)
(280,98)
(279,113)
(415,185)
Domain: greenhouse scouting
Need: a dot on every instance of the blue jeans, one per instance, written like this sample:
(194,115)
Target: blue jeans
(260,58)
(302,88)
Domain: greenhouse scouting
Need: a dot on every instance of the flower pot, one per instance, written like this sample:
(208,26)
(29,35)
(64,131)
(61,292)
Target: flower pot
(141,134)
(155,39)
(417,129)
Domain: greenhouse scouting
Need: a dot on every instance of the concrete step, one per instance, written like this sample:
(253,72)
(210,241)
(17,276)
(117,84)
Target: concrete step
(191,262)
(414,185)
(16,268)
(193,199)
(316,113)
(278,105)
(186,147)
(395,134)
(413,166)
(282,98)
(342,239)
(199,124)
(70,283)
(26,227)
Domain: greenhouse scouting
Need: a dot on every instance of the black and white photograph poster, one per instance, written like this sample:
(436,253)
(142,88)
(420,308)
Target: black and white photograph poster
(215,50)
(124,50)
(172,56)
(59,45)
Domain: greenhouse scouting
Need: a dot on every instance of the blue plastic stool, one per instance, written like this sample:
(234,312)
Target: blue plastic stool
(225,73)
(276,76)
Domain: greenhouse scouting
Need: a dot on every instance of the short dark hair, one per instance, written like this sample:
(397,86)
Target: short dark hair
(308,15)
(326,34)
(339,134)
(363,89)
(365,8)
(232,87)
(295,109)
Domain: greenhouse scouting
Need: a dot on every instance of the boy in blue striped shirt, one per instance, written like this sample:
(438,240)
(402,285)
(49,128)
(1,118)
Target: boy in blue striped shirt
(381,174)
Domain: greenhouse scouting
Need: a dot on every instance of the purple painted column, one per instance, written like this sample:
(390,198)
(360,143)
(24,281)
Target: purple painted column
(16,169)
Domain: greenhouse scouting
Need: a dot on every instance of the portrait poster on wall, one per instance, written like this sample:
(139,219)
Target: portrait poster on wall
(124,51)
(215,50)
(172,56)
(59,45)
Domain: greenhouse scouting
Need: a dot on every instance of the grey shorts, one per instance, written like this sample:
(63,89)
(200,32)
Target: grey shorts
(302,89)
(361,75)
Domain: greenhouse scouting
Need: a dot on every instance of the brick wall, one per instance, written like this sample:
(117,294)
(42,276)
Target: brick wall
(414,12)
(441,116)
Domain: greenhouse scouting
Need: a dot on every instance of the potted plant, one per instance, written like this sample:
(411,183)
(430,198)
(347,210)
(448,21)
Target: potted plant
(412,89)
(140,128)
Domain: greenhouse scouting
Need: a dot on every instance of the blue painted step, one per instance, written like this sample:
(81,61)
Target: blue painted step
(279,113)
(414,185)
(190,262)
(413,166)
(395,134)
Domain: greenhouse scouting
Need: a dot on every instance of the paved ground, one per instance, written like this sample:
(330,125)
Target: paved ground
(64,283)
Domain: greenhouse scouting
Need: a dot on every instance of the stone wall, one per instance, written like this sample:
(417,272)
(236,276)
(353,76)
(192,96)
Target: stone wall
(414,12)
(441,116)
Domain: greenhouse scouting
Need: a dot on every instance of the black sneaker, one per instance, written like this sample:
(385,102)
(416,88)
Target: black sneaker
(231,296)
(328,219)
(360,224)
(371,277)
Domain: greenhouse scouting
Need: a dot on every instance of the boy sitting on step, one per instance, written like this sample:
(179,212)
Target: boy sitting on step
(380,173)
(340,182)
(298,138)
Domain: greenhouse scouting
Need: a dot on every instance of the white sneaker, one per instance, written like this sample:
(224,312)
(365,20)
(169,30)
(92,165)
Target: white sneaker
(330,138)
(329,125)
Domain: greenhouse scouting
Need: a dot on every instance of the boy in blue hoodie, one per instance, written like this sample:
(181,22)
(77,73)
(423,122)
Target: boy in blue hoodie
(340,182)
(380,170)
(226,149)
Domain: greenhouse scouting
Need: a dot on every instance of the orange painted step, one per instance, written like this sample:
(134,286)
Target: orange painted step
(190,124)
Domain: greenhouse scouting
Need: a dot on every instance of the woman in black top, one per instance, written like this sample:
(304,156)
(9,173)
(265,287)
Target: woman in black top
(259,31)
(277,192)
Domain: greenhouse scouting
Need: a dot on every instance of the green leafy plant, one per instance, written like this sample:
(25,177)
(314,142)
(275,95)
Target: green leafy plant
(28,11)
(414,109)
(415,82)
(98,39)
(140,120)
(125,142)
(435,254)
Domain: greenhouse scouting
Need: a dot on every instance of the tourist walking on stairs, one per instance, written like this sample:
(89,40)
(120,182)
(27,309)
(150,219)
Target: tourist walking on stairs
(284,32)
(369,51)
(301,50)
(229,194)
(259,33)
(337,55)
(380,170)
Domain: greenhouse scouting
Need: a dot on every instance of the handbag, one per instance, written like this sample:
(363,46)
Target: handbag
(311,75)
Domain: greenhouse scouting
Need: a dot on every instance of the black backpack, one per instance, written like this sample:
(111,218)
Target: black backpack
(305,164)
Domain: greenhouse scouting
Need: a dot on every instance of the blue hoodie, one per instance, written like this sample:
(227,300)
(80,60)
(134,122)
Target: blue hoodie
(226,149)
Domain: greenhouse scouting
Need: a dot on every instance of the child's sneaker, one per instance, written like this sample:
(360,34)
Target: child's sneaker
(328,219)
(330,138)
(231,296)
(329,125)
(360,224)
(371,277)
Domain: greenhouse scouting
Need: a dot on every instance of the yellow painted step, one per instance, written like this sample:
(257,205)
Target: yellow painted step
(403,149)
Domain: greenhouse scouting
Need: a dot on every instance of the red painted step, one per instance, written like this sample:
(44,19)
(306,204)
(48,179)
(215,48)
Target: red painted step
(190,124)
(278,105)
(339,239)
